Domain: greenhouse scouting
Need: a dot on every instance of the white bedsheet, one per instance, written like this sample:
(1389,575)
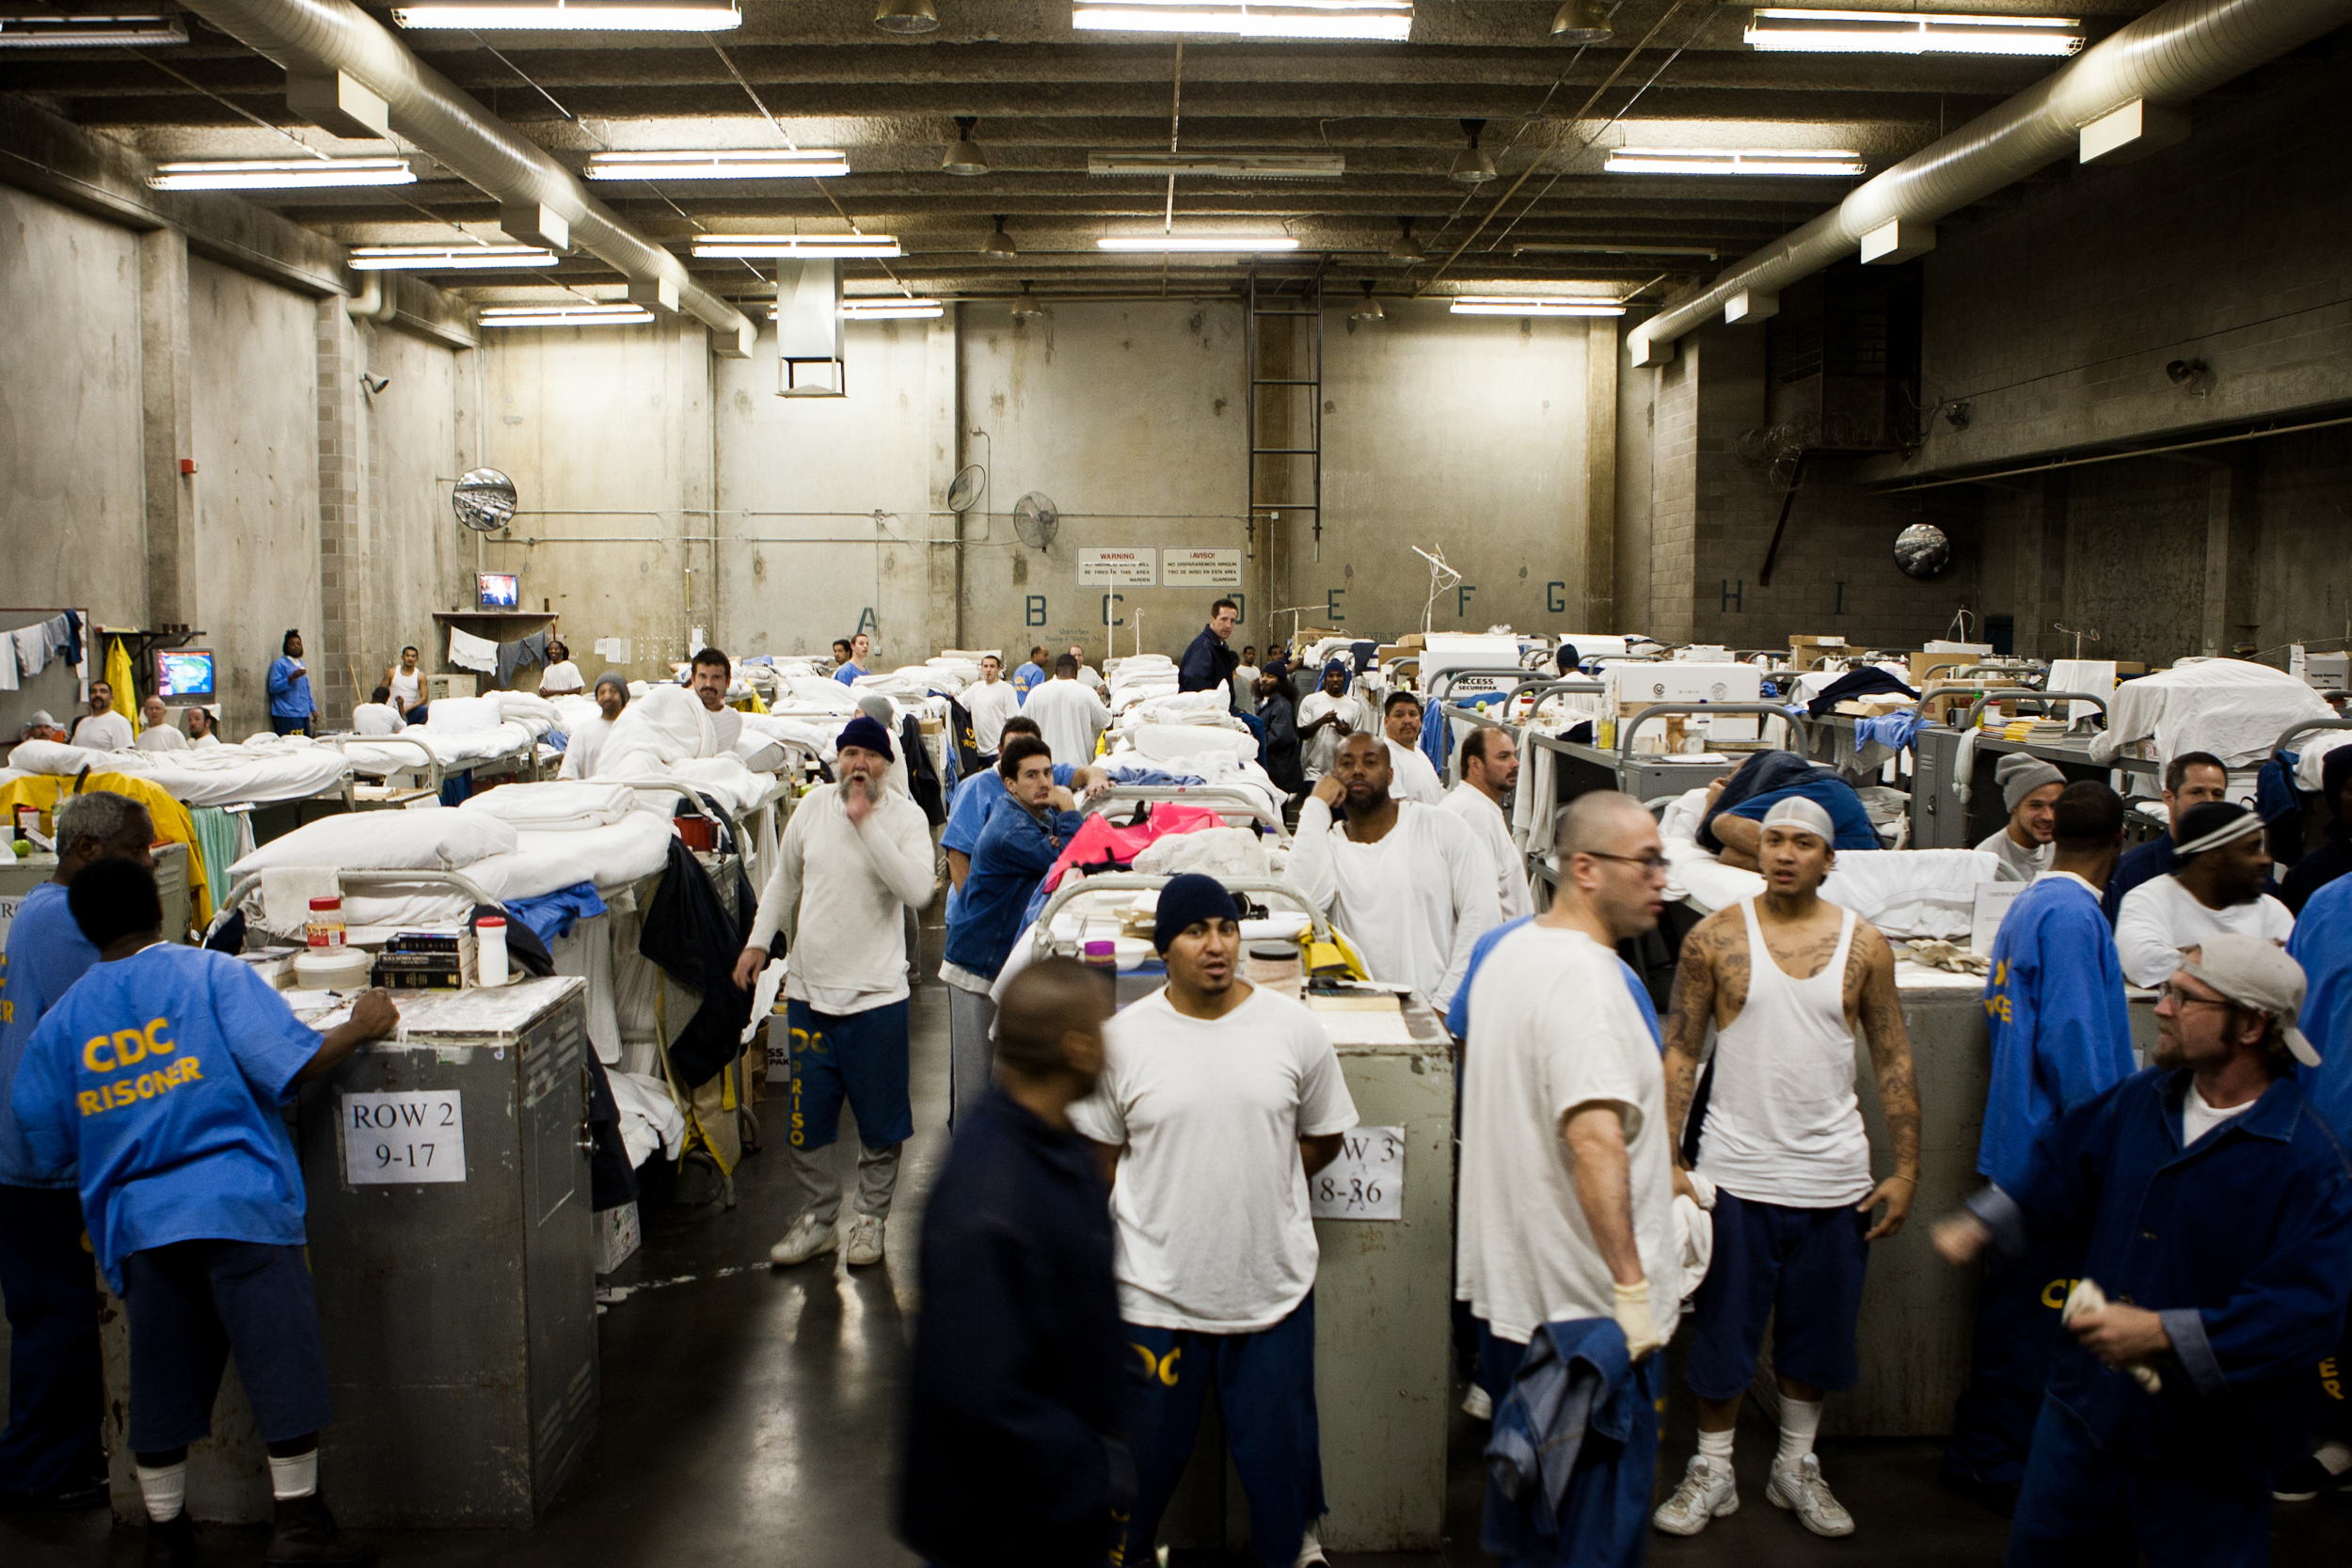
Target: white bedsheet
(2232,708)
(558,805)
(453,749)
(212,776)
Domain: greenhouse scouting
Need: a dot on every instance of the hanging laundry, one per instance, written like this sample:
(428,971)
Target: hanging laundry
(514,656)
(468,651)
(8,664)
(32,649)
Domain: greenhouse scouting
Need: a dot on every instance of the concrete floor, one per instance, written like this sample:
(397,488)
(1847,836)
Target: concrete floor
(747,1417)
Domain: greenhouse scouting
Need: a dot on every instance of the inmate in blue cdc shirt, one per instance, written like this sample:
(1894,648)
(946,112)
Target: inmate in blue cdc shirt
(162,1072)
(46,954)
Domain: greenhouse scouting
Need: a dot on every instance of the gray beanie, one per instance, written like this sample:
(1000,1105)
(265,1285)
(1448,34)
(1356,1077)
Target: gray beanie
(2019,775)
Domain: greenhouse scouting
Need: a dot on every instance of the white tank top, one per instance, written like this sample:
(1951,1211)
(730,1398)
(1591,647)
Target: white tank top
(408,688)
(1783,1125)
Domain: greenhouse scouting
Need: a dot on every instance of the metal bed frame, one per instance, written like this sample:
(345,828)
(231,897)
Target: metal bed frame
(437,772)
(1226,800)
(1044,944)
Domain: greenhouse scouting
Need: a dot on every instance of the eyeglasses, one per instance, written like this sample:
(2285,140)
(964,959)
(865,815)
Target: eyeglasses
(2179,998)
(1652,865)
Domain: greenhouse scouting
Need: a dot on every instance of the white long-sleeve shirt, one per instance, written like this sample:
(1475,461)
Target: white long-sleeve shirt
(580,751)
(990,704)
(1473,805)
(2159,917)
(1412,778)
(840,888)
(1070,717)
(1414,904)
(1319,748)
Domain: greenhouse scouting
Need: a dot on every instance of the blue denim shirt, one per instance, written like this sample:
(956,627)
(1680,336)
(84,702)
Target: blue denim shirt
(1016,849)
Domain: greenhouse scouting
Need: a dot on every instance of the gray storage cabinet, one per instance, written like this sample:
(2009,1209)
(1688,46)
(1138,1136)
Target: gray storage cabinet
(459,1311)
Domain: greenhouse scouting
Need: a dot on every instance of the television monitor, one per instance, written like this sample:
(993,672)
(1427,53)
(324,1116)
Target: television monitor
(499,590)
(183,675)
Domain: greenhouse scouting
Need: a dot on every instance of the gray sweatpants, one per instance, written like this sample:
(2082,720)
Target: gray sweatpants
(819,1173)
(970,1054)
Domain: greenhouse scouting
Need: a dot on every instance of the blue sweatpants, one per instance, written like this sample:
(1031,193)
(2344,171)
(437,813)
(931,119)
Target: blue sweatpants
(860,1055)
(1605,1517)
(191,1305)
(2083,1508)
(57,1387)
(2017,1324)
(1266,1389)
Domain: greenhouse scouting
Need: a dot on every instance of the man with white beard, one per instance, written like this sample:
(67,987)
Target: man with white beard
(855,855)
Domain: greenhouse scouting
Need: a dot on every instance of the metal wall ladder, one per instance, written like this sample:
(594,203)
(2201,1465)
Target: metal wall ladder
(1270,466)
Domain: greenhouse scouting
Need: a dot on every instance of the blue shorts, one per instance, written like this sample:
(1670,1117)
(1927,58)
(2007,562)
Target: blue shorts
(1265,1391)
(193,1303)
(1801,1268)
(861,1056)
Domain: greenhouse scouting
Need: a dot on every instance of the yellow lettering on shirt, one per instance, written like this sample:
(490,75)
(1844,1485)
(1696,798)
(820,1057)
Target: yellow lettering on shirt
(152,1038)
(119,1092)
(91,1052)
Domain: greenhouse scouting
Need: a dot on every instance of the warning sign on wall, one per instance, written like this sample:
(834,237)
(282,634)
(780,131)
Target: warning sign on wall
(1206,567)
(1118,566)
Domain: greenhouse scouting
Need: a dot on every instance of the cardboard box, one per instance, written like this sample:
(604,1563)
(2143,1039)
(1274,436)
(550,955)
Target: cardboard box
(1873,708)
(1811,653)
(618,1236)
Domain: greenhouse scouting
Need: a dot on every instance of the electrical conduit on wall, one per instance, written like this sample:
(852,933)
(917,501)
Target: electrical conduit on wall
(2171,54)
(321,36)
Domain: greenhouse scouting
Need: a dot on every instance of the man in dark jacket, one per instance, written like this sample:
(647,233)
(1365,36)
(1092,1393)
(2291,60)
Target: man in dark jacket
(2333,857)
(1015,1405)
(1208,660)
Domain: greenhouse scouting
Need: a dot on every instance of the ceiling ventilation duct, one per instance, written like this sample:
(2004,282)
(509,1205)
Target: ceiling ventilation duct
(313,37)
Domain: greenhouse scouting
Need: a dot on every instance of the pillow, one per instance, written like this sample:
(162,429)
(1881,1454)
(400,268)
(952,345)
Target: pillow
(463,714)
(430,838)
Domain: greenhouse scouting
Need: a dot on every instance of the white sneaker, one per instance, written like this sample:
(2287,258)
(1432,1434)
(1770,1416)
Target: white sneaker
(804,1240)
(1478,1404)
(865,1241)
(1800,1489)
(1705,1494)
(1311,1551)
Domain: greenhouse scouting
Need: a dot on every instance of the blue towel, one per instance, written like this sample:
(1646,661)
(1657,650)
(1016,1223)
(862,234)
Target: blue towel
(551,914)
(1436,741)
(1891,730)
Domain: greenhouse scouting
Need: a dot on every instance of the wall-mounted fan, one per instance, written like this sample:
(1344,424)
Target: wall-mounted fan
(965,489)
(1034,518)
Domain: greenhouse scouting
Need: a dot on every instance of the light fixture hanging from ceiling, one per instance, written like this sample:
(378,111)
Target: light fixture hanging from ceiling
(1471,166)
(280,174)
(1686,160)
(1776,30)
(1388,19)
(906,16)
(1404,247)
(572,16)
(1581,21)
(1027,308)
(617,314)
(965,155)
(734,164)
(54,30)
(999,246)
(837,246)
(887,308)
(446,258)
(1221,166)
(1369,310)
(1534,305)
(1211,244)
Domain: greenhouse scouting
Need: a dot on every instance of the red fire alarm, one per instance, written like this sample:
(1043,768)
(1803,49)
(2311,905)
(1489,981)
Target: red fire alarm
(188,464)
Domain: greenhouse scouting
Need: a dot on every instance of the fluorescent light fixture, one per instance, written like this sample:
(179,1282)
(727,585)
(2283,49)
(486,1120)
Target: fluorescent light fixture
(1533,304)
(1390,20)
(1812,32)
(574,16)
(884,309)
(805,246)
(1237,165)
(446,258)
(565,315)
(773,164)
(53,30)
(1539,248)
(280,174)
(1165,245)
(1686,160)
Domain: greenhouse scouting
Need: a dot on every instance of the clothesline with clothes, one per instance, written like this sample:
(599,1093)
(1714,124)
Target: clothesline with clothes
(26,651)
(502,660)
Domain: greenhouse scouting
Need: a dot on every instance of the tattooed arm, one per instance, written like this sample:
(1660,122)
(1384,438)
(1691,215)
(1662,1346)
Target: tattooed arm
(1687,1018)
(1898,1087)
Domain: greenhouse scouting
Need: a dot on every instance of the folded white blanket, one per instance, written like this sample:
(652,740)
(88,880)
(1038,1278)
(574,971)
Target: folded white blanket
(430,838)
(555,806)
(1173,742)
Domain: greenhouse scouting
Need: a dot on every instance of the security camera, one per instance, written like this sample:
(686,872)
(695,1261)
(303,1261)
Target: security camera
(374,384)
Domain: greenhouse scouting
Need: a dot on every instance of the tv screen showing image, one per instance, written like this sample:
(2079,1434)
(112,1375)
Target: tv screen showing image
(183,675)
(500,590)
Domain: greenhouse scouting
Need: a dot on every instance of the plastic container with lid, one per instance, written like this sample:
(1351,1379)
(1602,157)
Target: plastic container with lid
(326,926)
(335,968)
(489,935)
(1276,966)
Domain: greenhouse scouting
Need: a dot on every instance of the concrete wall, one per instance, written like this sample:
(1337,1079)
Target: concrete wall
(70,490)
(417,559)
(254,350)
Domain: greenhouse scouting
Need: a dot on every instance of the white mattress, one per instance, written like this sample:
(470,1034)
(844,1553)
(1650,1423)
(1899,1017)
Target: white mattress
(377,758)
(212,776)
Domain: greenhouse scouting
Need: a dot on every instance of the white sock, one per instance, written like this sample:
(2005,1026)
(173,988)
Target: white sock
(1799,1420)
(294,1478)
(2334,1456)
(1715,1447)
(166,1491)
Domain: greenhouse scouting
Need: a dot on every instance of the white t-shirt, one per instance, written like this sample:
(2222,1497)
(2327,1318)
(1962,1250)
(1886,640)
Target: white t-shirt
(1319,748)
(1412,777)
(580,750)
(562,677)
(2019,864)
(1469,802)
(1553,1028)
(990,704)
(202,740)
(726,728)
(104,731)
(1092,678)
(376,718)
(2198,1118)
(1070,717)
(1414,904)
(1210,1208)
(2159,917)
(160,737)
